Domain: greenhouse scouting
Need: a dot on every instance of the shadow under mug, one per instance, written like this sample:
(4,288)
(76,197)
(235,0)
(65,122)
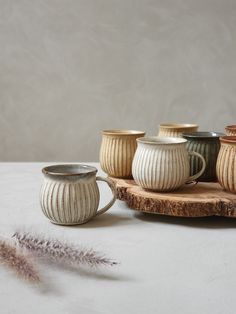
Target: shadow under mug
(70,194)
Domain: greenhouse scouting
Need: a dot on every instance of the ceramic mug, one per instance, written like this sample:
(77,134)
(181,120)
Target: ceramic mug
(208,145)
(70,194)
(117,152)
(176,129)
(162,163)
(231,130)
(226,163)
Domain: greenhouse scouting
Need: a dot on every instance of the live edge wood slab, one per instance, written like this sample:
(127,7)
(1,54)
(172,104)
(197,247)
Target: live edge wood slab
(199,200)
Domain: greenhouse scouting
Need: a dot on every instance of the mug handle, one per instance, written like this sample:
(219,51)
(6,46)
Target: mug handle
(197,175)
(111,186)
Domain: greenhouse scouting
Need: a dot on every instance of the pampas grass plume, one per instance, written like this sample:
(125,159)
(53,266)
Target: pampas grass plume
(11,257)
(60,252)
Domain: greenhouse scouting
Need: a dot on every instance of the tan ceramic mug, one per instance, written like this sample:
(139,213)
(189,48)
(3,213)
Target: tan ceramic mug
(162,163)
(70,194)
(117,152)
(176,129)
(231,130)
(226,163)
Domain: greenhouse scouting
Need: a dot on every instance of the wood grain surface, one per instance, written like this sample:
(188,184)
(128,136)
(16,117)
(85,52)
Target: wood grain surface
(199,200)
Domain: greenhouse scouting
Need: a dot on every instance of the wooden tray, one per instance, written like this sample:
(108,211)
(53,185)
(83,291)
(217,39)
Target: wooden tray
(202,199)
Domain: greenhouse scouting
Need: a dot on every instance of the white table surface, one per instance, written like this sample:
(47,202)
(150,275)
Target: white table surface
(167,265)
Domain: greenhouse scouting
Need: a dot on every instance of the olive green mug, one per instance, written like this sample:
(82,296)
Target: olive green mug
(208,145)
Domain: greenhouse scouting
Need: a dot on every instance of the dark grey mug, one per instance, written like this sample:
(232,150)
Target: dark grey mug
(208,145)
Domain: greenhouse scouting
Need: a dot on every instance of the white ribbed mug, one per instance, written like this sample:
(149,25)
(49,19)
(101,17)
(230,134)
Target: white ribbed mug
(162,163)
(70,195)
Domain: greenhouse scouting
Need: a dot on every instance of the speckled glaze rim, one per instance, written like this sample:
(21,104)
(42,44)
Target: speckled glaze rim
(231,127)
(203,135)
(66,170)
(228,139)
(120,132)
(159,140)
(178,125)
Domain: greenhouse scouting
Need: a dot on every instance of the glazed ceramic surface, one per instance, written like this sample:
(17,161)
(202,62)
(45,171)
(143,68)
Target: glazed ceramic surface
(162,164)
(231,130)
(208,145)
(117,152)
(70,194)
(226,163)
(175,129)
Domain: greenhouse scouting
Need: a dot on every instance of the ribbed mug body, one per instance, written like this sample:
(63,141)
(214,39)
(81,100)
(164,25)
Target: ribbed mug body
(69,201)
(226,164)
(161,167)
(117,152)
(176,130)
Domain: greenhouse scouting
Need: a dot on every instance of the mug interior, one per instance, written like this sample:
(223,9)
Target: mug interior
(157,140)
(69,170)
(203,135)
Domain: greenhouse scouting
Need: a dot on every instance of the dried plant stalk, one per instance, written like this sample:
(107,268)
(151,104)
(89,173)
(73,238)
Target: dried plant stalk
(59,252)
(21,264)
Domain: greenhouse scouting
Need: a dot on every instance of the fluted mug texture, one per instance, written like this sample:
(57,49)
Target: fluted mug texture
(226,163)
(231,130)
(117,152)
(162,163)
(176,129)
(208,145)
(70,194)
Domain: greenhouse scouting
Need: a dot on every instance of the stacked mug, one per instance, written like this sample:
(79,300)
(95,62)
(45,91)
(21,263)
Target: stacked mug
(179,155)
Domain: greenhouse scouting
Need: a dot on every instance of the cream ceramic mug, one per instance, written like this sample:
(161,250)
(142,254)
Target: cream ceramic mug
(225,166)
(176,129)
(70,194)
(231,130)
(117,152)
(162,163)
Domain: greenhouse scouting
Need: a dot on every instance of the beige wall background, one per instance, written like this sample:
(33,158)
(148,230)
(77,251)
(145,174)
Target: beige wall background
(70,68)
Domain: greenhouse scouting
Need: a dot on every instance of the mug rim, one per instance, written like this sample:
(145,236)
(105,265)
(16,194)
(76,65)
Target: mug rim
(161,140)
(178,125)
(203,135)
(228,139)
(122,132)
(57,170)
(231,127)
